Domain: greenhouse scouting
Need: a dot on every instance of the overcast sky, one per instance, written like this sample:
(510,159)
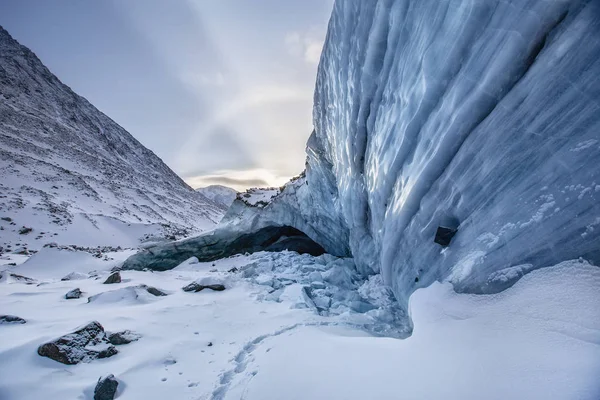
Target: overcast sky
(221,90)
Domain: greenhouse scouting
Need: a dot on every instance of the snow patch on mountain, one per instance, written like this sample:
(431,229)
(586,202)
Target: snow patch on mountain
(258,197)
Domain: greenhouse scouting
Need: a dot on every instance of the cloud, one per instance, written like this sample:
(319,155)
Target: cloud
(219,148)
(307,45)
(312,53)
(235,138)
(203,80)
(239,180)
(224,180)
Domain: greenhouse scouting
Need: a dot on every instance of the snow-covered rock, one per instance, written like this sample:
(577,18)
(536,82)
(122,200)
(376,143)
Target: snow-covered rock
(210,282)
(74,276)
(83,345)
(125,337)
(67,167)
(129,295)
(11,319)
(115,277)
(106,388)
(73,294)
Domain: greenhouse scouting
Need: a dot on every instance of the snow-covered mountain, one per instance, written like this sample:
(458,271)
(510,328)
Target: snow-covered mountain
(221,195)
(72,174)
(481,118)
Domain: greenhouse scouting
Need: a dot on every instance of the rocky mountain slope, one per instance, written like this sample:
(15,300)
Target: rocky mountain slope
(480,118)
(69,172)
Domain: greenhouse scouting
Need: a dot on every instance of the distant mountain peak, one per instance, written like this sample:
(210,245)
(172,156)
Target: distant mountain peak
(222,195)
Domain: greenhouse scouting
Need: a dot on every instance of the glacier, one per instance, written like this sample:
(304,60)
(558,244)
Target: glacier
(481,116)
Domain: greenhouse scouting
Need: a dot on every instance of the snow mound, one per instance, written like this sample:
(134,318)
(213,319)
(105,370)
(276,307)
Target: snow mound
(140,294)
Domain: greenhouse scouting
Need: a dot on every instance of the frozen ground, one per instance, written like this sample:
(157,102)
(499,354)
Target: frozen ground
(298,327)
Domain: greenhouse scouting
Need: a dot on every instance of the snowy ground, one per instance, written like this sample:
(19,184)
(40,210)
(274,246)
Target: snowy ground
(299,327)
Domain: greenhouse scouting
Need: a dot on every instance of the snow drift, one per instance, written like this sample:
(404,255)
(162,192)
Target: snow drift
(478,116)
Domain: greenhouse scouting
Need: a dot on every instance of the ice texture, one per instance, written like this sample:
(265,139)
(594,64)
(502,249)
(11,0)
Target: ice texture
(478,115)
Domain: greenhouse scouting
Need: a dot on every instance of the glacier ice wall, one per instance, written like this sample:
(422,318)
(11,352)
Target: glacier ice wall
(477,115)
(480,114)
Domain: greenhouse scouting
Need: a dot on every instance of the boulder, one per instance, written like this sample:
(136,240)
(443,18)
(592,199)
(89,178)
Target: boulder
(25,230)
(115,277)
(124,337)
(106,388)
(84,345)
(73,294)
(11,319)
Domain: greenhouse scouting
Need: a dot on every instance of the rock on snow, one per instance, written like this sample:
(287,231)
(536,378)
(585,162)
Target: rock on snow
(11,319)
(84,345)
(106,388)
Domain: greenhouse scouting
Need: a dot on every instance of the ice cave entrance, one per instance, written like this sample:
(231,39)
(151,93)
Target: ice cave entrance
(276,238)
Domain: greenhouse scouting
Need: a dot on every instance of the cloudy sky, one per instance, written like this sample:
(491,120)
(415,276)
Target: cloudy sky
(221,90)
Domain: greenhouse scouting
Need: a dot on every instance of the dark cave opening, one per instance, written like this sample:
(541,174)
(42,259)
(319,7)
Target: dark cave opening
(222,244)
(275,238)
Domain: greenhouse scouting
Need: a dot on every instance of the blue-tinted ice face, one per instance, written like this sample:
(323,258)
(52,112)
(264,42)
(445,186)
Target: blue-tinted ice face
(479,114)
